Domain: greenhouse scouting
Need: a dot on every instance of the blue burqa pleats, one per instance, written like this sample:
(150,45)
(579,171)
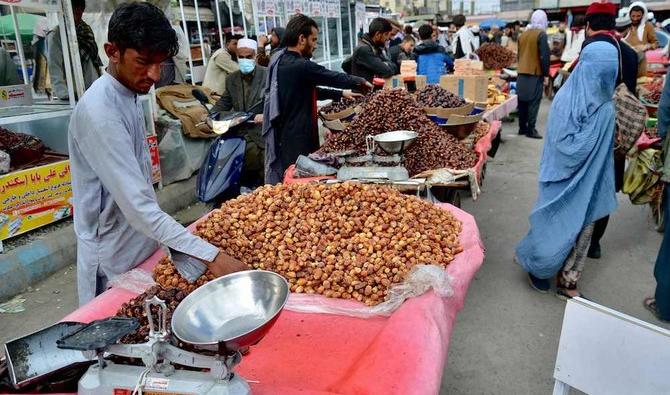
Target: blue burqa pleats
(577,169)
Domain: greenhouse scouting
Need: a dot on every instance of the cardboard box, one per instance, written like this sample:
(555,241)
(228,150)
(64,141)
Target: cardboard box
(474,88)
(397,81)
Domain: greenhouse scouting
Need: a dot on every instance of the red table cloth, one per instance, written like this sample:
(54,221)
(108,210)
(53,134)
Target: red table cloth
(327,354)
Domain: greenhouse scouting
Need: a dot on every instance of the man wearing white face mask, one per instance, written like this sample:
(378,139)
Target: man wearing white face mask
(244,92)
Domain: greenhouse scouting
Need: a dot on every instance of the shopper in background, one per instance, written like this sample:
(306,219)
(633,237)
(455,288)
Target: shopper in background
(276,34)
(404,51)
(118,222)
(464,39)
(576,181)
(8,73)
(91,65)
(574,39)
(432,59)
(479,37)
(369,59)
(222,63)
(641,34)
(245,90)
(510,39)
(533,72)
(294,85)
(659,304)
(397,33)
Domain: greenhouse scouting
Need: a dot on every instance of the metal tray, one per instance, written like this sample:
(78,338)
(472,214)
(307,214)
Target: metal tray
(33,357)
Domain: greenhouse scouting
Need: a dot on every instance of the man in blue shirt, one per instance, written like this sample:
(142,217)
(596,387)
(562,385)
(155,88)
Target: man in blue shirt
(432,58)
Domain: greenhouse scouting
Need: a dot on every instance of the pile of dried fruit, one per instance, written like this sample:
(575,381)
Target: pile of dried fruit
(495,56)
(343,104)
(483,128)
(166,275)
(348,240)
(652,91)
(396,109)
(135,309)
(436,96)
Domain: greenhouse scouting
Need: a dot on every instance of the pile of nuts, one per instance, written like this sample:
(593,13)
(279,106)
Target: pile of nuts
(343,104)
(389,110)
(349,240)
(166,275)
(436,96)
(481,130)
(495,56)
(135,309)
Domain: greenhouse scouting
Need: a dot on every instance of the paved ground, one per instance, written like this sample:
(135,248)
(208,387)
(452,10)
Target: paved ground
(505,339)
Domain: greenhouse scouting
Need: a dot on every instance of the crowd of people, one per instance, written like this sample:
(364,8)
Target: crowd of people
(119,223)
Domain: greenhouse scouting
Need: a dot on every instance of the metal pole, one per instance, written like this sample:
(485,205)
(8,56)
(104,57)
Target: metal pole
(351,28)
(202,39)
(19,45)
(73,44)
(230,11)
(244,17)
(218,22)
(340,52)
(188,40)
(69,80)
(254,15)
(326,39)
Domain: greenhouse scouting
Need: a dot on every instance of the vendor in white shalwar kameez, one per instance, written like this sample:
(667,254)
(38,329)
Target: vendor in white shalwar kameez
(117,219)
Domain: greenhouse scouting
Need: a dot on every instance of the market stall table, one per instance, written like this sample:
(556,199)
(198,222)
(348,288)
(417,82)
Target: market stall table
(324,354)
(448,193)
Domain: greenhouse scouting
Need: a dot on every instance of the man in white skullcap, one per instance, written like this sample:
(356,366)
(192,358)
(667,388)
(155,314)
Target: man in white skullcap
(221,64)
(244,91)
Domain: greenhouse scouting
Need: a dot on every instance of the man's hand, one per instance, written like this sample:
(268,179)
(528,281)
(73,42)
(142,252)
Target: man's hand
(350,93)
(258,119)
(224,264)
(365,86)
(263,40)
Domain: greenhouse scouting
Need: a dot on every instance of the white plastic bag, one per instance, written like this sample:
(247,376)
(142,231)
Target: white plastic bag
(420,280)
(136,280)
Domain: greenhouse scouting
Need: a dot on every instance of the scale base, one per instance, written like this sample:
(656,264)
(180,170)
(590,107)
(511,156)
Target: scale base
(117,379)
(390,173)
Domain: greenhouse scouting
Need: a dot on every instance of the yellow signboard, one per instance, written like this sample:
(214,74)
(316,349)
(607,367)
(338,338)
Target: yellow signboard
(34,197)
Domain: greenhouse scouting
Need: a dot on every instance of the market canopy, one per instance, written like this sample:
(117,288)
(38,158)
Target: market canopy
(488,23)
(27,23)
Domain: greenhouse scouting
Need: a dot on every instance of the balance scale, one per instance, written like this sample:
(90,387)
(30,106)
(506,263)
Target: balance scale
(223,318)
(377,167)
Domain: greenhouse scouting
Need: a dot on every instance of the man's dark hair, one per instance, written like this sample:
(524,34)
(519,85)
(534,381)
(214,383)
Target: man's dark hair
(230,37)
(78,4)
(601,21)
(379,25)
(142,26)
(297,26)
(408,30)
(579,21)
(459,20)
(425,32)
(636,8)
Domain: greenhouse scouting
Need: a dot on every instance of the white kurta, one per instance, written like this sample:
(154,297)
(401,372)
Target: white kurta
(117,219)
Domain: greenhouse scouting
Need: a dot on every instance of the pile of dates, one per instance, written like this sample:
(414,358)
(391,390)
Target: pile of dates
(436,96)
(495,56)
(135,309)
(396,109)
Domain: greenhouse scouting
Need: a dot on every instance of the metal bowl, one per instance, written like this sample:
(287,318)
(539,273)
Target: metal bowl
(395,142)
(233,311)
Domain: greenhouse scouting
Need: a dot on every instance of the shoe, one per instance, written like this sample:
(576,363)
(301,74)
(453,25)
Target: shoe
(538,284)
(522,133)
(534,135)
(594,252)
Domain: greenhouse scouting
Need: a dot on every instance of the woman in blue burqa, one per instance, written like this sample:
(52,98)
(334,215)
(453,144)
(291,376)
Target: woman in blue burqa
(576,174)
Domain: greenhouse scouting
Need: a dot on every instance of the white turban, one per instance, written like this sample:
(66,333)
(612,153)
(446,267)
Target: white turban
(247,43)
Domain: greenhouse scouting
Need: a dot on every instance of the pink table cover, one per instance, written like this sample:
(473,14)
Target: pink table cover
(327,354)
(502,110)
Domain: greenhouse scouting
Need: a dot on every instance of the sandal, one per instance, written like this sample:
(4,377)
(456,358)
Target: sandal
(650,304)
